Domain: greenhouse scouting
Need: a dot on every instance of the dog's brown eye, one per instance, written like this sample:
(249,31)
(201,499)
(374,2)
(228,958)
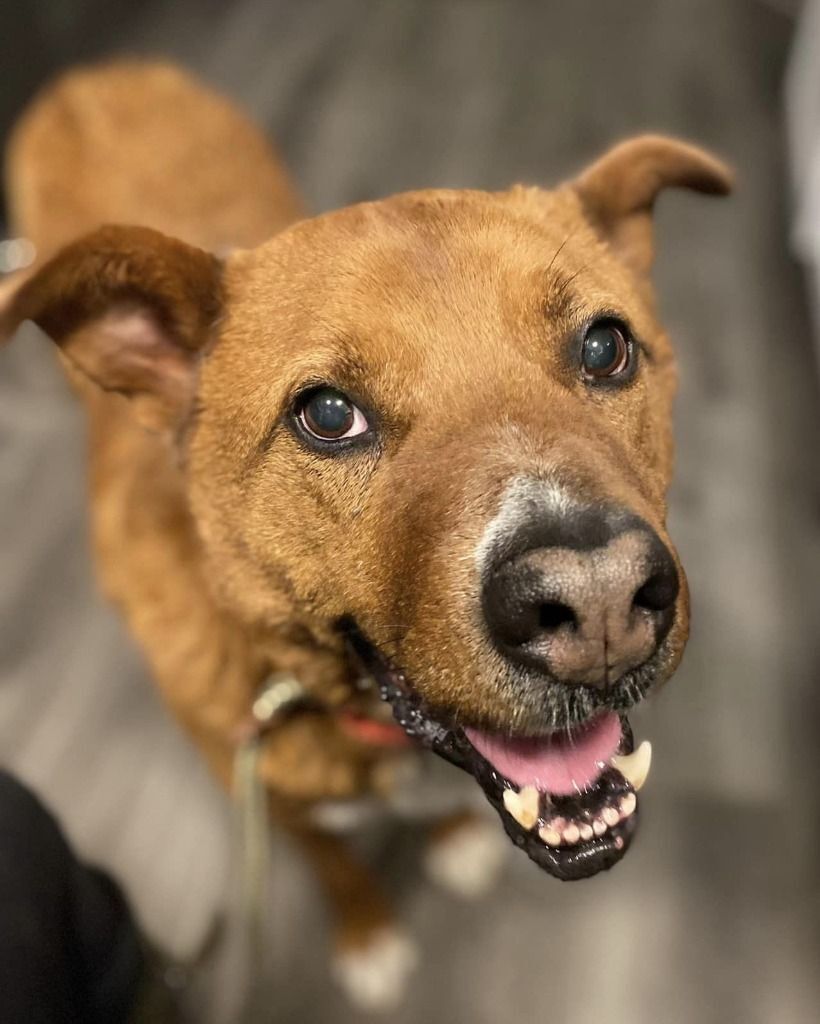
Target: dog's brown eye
(331,416)
(605,351)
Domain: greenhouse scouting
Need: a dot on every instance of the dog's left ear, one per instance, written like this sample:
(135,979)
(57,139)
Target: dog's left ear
(619,190)
(131,309)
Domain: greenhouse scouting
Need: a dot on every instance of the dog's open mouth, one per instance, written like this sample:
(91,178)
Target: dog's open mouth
(568,799)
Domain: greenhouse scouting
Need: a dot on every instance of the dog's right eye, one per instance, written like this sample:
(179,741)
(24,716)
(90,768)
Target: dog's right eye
(329,415)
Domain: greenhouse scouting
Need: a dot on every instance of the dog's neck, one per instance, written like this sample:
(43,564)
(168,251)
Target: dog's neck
(151,564)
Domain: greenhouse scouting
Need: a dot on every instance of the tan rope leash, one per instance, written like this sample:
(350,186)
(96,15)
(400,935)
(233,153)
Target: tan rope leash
(279,694)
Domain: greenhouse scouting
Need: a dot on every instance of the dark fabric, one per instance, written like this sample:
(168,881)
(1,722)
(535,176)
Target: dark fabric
(69,950)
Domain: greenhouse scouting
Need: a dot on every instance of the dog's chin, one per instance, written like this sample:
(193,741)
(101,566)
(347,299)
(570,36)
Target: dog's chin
(569,829)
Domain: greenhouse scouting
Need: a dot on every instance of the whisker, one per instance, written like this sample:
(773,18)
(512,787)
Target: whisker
(558,251)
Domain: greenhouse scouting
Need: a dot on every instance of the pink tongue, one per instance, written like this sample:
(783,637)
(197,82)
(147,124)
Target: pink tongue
(561,763)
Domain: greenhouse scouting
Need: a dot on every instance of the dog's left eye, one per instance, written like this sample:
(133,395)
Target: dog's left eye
(329,415)
(605,351)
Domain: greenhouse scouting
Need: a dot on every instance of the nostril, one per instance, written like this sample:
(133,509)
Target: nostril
(552,614)
(658,593)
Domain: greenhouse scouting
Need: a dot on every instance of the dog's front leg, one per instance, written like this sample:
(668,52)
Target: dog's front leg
(465,853)
(372,956)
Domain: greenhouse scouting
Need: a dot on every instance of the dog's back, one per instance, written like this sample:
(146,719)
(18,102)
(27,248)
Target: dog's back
(144,143)
(138,142)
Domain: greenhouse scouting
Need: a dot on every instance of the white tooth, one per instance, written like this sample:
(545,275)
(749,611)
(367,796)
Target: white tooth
(628,805)
(550,836)
(635,766)
(586,832)
(610,816)
(522,806)
(599,827)
(572,834)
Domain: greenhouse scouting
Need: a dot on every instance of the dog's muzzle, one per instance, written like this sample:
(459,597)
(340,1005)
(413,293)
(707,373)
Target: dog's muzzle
(577,603)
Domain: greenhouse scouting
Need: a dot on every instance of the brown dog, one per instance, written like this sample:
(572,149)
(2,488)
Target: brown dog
(428,437)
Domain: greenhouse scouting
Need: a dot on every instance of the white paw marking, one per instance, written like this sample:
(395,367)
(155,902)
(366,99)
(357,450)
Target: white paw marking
(468,860)
(375,977)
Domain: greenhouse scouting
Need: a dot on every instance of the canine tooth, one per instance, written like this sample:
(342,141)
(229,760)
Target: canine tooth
(628,805)
(619,842)
(550,836)
(610,816)
(522,806)
(635,766)
(586,832)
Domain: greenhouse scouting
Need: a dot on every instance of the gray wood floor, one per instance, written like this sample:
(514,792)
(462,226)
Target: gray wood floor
(714,916)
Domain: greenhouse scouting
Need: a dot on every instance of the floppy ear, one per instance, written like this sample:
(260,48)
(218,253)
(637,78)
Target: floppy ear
(619,190)
(131,309)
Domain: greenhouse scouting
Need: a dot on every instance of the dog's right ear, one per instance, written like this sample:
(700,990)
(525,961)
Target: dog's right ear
(132,310)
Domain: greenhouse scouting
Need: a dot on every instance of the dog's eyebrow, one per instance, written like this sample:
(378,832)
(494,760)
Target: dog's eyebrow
(343,370)
(338,354)
(561,303)
(558,299)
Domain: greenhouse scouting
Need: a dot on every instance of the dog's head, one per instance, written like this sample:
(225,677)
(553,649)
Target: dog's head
(440,423)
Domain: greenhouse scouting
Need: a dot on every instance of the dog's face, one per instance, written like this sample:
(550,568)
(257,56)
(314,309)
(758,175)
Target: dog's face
(441,423)
(403,430)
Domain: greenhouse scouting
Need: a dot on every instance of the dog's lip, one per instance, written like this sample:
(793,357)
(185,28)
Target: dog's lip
(580,858)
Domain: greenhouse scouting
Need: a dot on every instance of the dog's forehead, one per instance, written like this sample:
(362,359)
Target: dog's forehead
(440,246)
(425,282)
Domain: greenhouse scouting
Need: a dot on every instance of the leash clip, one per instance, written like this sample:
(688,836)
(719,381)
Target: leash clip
(279,693)
(16,254)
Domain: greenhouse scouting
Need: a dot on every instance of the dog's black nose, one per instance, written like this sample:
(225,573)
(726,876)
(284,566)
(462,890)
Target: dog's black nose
(584,597)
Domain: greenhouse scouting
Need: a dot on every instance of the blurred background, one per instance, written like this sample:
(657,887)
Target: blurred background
(715,915)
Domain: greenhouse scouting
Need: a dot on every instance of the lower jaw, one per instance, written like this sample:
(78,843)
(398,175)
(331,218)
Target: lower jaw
(583,857)
(567,860)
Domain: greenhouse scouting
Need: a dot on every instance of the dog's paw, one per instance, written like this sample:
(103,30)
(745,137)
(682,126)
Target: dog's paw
(467,859)
(375,976)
